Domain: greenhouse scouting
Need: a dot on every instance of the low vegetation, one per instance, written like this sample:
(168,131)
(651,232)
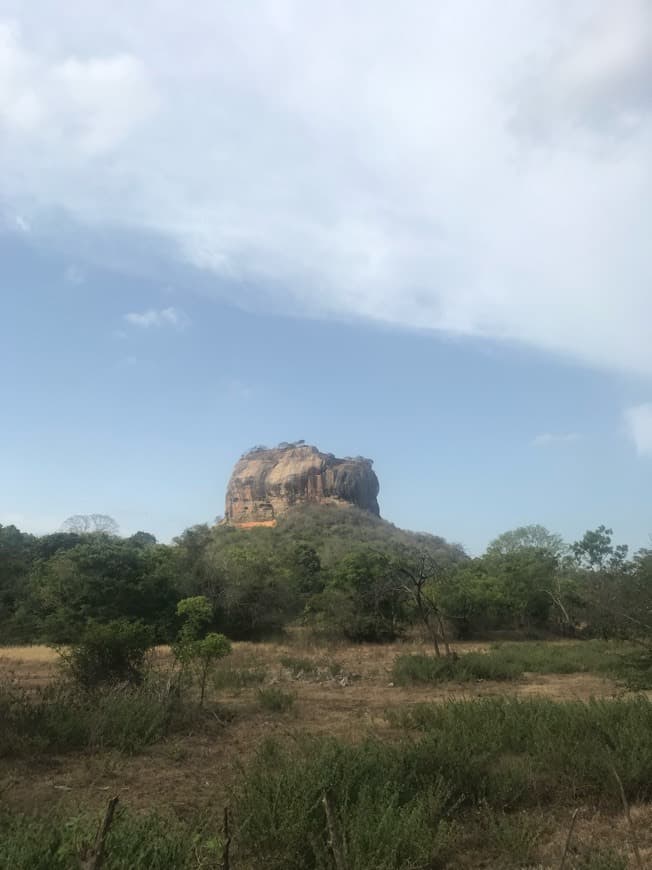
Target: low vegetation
(152,841)
(511,661)
(61,718)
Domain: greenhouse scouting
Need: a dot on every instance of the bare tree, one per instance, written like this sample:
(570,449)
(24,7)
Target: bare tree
(87,524)
(421,576)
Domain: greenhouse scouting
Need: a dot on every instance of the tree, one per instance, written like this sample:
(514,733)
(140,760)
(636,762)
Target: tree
(142,539)
(422,577)
(88,524)
(111,653)
(363,598)
(526,537)
(17,553)
(253,595)
(596,552)
(194,649)
(104,579)
(512,590)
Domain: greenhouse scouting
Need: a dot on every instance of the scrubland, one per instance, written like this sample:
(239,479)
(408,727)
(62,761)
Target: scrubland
(534,755)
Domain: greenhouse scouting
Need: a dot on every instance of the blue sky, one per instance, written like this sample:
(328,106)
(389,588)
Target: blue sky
(417,235)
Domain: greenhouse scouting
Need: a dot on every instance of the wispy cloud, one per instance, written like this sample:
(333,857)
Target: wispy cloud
(552,439)
(638,423)
(74,275)
(155,318)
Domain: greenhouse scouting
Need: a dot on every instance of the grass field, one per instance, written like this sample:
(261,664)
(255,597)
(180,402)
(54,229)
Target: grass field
(445,769)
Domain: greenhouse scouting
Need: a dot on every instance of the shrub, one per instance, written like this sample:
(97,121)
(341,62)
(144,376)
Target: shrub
(509,661)
(195,650)
(109,653)
(276,700)
(514,753)
(471,666)
(386,815)
(62,718)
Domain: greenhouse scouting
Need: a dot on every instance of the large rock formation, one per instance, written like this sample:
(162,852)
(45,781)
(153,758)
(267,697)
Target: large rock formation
(266,483)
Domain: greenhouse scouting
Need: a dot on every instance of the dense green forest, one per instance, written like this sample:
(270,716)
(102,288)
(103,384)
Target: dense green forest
(341,571)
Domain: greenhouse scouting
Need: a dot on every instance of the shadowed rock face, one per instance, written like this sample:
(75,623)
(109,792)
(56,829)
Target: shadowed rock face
(266,483)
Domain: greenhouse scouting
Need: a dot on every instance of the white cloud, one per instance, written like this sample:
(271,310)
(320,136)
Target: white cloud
(638,422)
(550,439)
(21,224)
(466,166)
(90,105)
(157,318)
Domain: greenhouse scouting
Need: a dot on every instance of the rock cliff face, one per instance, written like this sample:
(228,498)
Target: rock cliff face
(267,482)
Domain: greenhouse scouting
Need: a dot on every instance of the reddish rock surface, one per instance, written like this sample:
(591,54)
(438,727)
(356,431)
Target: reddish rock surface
(268,482)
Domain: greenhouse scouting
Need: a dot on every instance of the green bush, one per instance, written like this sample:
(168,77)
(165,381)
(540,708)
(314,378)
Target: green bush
(109,653)
(276,700)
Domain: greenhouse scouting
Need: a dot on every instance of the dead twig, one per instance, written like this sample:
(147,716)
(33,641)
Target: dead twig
(95,859)
(568,838)
(226,865)
(628,816)
(335,841)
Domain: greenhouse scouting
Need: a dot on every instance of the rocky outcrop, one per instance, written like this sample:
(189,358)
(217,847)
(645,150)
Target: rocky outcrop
(268,482)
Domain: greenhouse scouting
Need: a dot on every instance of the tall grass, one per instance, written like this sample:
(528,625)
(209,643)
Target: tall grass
(387,816)
(509,661)
(53,842)
(61,718)
(483,769)
(525,751)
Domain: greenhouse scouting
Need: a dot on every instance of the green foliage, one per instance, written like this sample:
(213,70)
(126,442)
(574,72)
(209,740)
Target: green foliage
(509,661)
(387,813)
(194,649)
(275,700)
(520,753)
(534,537)
(196,614)
(596,552)
(135,840)
(364,598)
(109,653)
(342,571)
(62,718)
(103,579)
(469,667)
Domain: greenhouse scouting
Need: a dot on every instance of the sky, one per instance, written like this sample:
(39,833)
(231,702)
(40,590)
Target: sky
(419,232)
